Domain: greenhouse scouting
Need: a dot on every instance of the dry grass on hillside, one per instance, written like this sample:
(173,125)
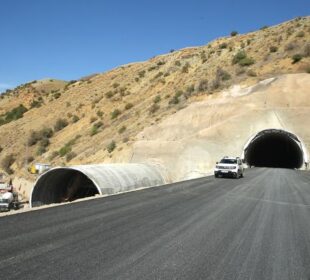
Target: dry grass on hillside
(97,118)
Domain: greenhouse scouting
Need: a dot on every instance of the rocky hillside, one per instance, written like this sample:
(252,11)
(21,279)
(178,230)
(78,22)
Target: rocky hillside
(98,118)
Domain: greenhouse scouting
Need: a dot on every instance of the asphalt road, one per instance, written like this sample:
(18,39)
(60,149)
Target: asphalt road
(257,227)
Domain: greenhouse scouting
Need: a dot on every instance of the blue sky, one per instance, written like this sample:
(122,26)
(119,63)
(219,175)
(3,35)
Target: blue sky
(68,39)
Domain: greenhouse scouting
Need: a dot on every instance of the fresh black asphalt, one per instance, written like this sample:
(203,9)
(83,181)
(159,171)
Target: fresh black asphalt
(257,227)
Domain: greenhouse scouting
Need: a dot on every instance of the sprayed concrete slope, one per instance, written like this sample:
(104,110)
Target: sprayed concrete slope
(189,142)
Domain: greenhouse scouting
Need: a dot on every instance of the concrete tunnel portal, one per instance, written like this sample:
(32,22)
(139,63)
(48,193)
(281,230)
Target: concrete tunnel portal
(275,148)
(63,184)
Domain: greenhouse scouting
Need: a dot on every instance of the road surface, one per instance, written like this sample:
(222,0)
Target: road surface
(257,227)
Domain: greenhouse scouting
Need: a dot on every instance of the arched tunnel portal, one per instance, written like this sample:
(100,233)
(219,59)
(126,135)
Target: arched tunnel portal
(275,148)
(63,184)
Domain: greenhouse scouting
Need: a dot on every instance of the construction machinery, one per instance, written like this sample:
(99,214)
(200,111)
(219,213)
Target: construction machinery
(8,198)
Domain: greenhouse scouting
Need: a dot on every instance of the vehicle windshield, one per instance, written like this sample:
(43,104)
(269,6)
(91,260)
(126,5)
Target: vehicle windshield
(228,160)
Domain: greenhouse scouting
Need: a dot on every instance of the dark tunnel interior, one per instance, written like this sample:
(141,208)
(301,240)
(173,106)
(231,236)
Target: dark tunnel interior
(275,148)
(62,185)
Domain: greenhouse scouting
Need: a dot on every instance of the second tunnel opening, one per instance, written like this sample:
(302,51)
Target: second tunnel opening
(62,185)
(274,148)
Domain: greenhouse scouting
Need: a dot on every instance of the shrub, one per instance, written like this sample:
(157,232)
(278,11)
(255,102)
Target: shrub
(159,74)
(40,150)
(290,47)
(122,129)
(75,118)
(111,146)
(225,76)
(53,155)
(175,99)
(35,104)
(203,85)
(223,46)
(57,95)
(233,33)
(99,113)
(264,27)
(215,84)
(247,61)
(308,69)
(60,124)
(65,150)
(46,132)
(300,34)
(185,68)
(33,138)
(240,71)
(92,119)
(29,159)
(98,124)
(7,162)
(273,49)
(41,135)
(141,73)
(115,85)
(95,128)
(239,56)
(154,107)
(70,156)
(242,59)
(44,142)
(152,68)
(109,94)
(251,73)
(161,63)
(222,74)
(157,99)
(296,58)
(307,50)
(125,139)
(203,56)
(190,89)
(115,114)
(177,63)
(14,114)
(122,91)
(128,106)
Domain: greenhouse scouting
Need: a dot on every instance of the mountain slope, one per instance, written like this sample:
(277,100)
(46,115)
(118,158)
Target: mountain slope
(98,118)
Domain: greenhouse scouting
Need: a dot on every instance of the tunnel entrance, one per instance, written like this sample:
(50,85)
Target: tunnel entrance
(274,148)
(62,185)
